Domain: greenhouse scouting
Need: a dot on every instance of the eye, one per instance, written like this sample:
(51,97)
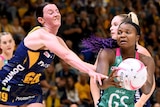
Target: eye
(10,41)
(4,42)
(53,11)
(50,12)
(128,32)
(115,24)
(119,32)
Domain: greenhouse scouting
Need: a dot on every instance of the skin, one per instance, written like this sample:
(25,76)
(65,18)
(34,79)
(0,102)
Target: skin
(51,22)
(96,91)
(45,38)
(126,39)
(7,45)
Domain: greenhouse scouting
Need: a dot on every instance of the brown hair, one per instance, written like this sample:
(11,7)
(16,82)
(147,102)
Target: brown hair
(39,11)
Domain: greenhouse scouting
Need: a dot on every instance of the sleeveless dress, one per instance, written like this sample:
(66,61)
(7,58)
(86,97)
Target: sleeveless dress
(4,60)
(117,97)
(20,77)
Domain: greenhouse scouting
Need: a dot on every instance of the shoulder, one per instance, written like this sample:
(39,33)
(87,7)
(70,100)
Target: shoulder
(107,53)
(34,29)
(143,50)
(146,59)
(107,56)
(34,33)
(34,39)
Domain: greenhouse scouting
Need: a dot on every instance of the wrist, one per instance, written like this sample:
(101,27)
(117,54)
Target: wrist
(140,102)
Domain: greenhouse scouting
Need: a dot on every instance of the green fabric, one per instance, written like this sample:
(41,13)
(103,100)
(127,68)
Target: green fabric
(116,97)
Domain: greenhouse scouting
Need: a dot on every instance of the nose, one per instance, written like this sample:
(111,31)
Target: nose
(56,14)
(111,28)
(122,35)
(9,43)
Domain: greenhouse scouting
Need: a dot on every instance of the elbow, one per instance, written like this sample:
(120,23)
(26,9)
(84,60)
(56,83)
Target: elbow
(66,57)
(146,92)
(147,89)
(149,86)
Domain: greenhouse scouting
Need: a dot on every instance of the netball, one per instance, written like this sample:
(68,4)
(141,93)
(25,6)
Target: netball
(132,73)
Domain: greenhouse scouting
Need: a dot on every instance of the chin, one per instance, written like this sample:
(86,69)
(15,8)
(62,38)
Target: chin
(114,37)
(57,25)
(123,46)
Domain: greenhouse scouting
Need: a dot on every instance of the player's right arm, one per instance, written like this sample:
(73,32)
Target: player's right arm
(43,39)
(105,59)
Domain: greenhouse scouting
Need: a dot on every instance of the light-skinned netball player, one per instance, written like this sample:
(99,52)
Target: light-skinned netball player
(19,78)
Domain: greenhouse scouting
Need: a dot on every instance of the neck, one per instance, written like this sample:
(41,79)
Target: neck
(7,56)
(130,53)
(52,30)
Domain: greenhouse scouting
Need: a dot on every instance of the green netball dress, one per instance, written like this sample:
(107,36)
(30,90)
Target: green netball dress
(117,97)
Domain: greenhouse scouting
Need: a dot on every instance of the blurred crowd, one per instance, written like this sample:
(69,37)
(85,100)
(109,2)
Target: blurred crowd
(80,19)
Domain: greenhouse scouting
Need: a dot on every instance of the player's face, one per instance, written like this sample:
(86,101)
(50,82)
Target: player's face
(51,16)
(127,35)
(114,26)
(7,43)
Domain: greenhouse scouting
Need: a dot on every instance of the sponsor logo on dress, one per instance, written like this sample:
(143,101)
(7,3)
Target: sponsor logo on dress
(10,75)
(46,54)
(42,64)
(24,98)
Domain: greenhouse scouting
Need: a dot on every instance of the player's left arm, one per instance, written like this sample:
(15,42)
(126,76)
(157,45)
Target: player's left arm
(143,99)
(150,64)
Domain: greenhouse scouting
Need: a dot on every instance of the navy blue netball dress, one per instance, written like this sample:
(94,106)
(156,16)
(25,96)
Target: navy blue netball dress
(20,77)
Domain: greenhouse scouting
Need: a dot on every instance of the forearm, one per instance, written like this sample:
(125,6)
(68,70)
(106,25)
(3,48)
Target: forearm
(143,99)
(95,91)
(73,60)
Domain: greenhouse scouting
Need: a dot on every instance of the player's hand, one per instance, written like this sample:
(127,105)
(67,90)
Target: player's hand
(110,81)
(97,77)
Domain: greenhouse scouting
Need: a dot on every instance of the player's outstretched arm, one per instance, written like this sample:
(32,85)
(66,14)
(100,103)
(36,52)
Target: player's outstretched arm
(58,46)
(95,91)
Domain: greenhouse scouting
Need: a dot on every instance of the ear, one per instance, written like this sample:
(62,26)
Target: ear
(14,44)
(40,20)
(137,38)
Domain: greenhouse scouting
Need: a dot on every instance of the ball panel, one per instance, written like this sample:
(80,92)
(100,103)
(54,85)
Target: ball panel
(132,73)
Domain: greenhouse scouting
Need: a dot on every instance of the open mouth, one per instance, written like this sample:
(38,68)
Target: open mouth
(122,42)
